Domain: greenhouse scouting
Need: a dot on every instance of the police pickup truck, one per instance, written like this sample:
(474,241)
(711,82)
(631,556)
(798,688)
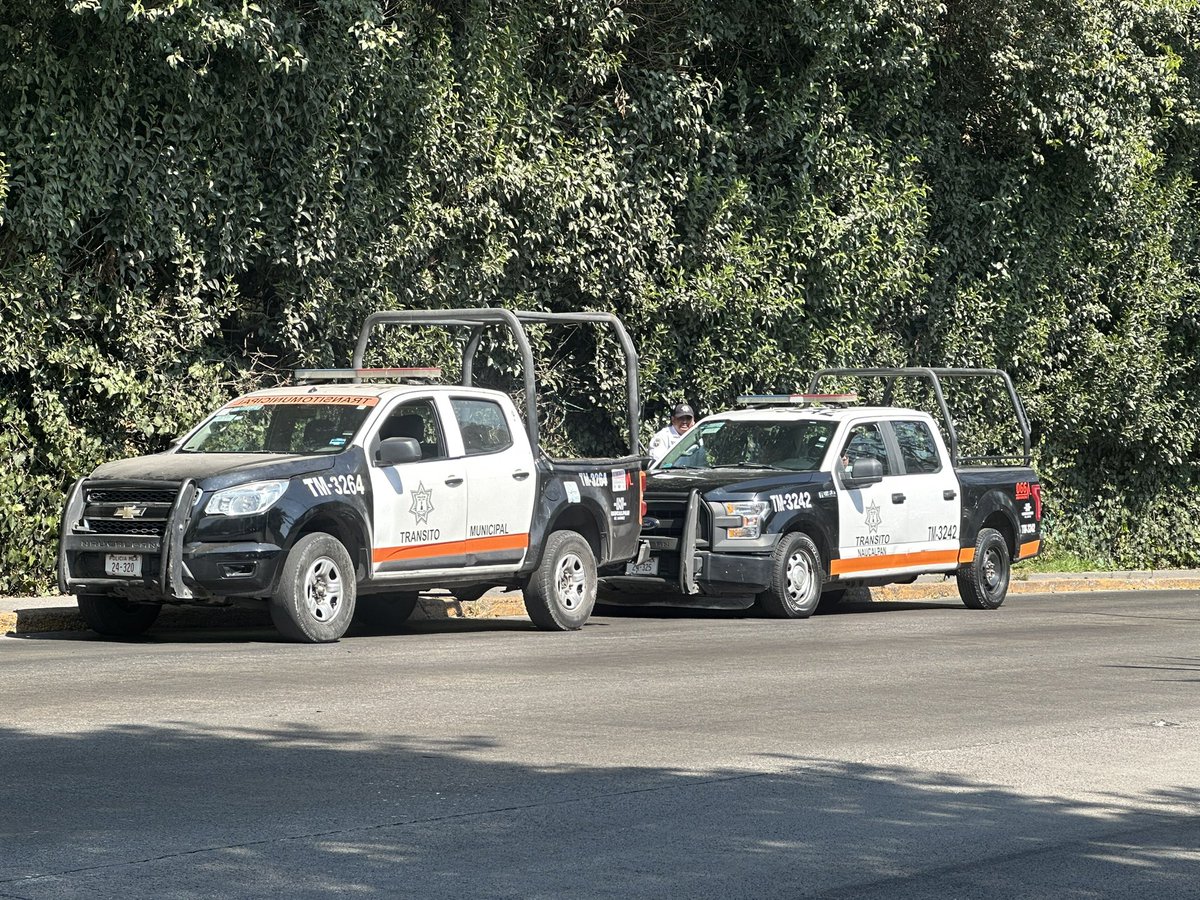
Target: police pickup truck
(796,499)
(315,498)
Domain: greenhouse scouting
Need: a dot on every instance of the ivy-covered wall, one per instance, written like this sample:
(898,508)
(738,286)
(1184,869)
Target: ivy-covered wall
(196,196)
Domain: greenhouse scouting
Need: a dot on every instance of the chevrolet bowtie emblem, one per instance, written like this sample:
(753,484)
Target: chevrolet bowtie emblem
(130,512)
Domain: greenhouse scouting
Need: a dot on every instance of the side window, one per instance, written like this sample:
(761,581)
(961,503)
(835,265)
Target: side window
(917,447)
(866,442)
(482,424)
(417,420)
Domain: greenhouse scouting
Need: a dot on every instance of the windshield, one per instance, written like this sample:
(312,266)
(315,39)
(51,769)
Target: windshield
(283,424)
(796,446)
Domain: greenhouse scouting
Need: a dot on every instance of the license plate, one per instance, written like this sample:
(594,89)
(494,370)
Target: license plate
(123,565)
(649,567)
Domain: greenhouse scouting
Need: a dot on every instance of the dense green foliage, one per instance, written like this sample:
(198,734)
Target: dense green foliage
(196,195)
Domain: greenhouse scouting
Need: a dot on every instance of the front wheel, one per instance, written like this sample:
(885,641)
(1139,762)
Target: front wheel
(561,593)
(116,617)
(797,576)
(315,599)
(983,582)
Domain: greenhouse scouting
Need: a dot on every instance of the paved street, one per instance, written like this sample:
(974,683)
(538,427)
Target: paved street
(1049,749)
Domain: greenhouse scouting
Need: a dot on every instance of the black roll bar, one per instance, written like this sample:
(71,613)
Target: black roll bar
(934,376)
(476,318)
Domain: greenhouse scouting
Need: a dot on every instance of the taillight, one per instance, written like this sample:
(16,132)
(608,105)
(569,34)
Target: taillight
(643,493)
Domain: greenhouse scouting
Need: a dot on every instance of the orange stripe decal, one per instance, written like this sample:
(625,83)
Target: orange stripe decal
(451,548)
(1029,548)
(966,555)
(892,561)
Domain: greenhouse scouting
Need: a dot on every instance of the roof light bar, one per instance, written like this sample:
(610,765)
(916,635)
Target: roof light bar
(797,399)
(426,373)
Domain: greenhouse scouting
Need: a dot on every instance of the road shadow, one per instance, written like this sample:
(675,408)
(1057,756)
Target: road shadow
(179,810)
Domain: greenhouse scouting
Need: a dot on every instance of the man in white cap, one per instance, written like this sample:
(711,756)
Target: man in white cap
(682,419)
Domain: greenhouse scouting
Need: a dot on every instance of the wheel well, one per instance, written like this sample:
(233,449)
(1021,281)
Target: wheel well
(344,532)
(582,522)
(817,537)
(1000,523)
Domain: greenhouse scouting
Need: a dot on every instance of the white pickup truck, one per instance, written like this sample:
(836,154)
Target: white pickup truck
(795,499)
(327,496)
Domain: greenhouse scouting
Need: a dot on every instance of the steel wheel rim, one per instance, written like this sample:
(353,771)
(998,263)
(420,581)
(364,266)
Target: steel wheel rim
(323,590)
(993,571)
(800,579)
(570,580)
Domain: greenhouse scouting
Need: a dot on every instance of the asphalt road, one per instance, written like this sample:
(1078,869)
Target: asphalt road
(1049,749)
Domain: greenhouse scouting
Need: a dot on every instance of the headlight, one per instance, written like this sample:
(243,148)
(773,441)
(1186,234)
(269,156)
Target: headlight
(246,499)
(752,513)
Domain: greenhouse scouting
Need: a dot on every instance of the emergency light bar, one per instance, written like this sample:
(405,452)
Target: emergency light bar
(428,373)
(797,399)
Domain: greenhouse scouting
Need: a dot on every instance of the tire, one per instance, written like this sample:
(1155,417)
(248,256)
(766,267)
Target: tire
(116,617)
(983,583)
(562,591)
(384,613)
(315,599)
(797,576)
(830,599)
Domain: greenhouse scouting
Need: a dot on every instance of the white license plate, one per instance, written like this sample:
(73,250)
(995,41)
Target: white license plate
(123,565)
(649,567)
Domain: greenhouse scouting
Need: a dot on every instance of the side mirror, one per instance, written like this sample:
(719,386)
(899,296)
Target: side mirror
(393,451)
(866,470)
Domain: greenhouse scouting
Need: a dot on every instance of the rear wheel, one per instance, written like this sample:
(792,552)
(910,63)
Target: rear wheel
(315,599)
(562,592)
(384,613)
(983,582)
(797,575)
(117,617)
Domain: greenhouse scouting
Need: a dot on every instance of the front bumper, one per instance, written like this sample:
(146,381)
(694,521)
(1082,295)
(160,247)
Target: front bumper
(713,574)
(172,571)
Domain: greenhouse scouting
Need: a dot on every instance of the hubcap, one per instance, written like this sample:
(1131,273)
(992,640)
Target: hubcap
(799,579)
(323,589)
(570,580)
(993,571)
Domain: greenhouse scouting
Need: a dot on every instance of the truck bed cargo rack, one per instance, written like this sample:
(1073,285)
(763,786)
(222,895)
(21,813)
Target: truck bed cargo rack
(935,377)
(477,318)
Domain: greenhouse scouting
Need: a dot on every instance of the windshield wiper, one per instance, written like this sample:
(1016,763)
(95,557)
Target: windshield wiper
(750,465)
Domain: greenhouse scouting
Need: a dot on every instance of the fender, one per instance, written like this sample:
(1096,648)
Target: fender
(552,508)
(813,522)
(995,500)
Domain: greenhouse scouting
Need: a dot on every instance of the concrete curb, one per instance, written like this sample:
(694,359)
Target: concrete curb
(31,615)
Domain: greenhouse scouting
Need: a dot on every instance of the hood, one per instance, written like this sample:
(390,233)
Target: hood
(212,470)
(734,481)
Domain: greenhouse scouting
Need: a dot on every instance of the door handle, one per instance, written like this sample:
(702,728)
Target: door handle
(520,474)
(454,480)
(949,494)
(897,498)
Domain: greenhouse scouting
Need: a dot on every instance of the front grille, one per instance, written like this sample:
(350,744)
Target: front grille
(118,526)
(130,495)
(670,513)
(139,510)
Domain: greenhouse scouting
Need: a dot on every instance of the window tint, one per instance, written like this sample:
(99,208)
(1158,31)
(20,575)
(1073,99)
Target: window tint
(417,419)
(482,424)
(917,447)
(865,442)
